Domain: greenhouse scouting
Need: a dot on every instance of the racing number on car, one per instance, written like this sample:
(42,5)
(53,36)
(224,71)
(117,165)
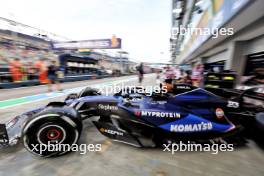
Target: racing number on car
(232,104)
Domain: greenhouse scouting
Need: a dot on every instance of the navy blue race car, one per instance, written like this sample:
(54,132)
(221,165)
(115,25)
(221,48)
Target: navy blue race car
(186,113)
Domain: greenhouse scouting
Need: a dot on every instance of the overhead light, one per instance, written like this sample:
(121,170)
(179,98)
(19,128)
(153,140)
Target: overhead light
(178,10)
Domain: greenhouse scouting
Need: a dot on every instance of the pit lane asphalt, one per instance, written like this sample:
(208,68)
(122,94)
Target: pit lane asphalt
(120,159)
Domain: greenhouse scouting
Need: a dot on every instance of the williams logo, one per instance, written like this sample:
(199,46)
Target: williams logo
(158,114)
(107,107)
(192,127)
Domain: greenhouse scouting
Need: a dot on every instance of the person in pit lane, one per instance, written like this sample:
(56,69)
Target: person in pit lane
(169,84)
(140,70)
(53,77)
(186,79)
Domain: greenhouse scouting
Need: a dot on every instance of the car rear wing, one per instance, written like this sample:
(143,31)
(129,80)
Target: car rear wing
(4,140)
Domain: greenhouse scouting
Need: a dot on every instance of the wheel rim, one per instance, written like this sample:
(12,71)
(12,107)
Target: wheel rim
(51,134)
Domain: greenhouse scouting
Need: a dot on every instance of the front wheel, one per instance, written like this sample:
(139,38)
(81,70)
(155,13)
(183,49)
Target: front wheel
(50,133)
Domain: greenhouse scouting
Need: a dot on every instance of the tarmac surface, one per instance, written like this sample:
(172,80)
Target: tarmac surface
(116,159)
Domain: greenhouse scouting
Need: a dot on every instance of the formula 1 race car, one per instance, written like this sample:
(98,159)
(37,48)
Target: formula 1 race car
(187,113)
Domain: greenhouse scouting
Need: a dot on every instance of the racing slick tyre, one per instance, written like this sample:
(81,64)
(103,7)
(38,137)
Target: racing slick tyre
(52,132)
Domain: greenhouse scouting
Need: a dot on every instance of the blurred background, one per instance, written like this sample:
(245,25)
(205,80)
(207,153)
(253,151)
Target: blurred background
(227,60)
(224,61)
